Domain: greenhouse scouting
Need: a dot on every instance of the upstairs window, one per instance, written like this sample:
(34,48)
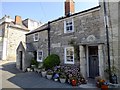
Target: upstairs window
(68,26)
(69,55)
(36,37)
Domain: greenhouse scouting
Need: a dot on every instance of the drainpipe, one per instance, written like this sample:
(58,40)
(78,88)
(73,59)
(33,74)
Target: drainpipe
(107,37)
(48,38)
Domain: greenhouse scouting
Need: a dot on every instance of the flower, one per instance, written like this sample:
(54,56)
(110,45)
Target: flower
(49,72)
(101,82)
(56,75)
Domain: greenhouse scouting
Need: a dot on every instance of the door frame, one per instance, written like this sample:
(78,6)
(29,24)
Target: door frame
(87,54)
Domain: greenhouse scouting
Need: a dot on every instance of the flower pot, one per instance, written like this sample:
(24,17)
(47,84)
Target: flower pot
(28,69)
(56,79)
(35,69)
(38,70)
(43,73)
(73,82)
(62,80)
(104,87)
(49,76)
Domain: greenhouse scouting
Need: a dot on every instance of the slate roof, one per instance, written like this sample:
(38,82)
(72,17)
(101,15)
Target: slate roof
(19,26)
(45,26)
(41,28)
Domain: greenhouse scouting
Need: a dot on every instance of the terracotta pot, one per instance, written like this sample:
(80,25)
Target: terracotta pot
(104,87)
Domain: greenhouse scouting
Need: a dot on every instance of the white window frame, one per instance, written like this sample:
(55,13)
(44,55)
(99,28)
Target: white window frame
(65,26)
(35,36)
(65,55)
(38,56)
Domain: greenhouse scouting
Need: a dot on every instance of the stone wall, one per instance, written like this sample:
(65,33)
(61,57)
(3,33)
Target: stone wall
(42,44)
(1,41)
(114,35)
(14,38)
(119,38)
(85,25)
(113,31)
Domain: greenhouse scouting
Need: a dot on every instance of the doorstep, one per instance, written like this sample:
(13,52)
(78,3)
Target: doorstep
(90,84)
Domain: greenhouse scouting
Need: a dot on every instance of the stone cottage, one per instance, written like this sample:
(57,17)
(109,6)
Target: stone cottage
(11,33)
(85,30)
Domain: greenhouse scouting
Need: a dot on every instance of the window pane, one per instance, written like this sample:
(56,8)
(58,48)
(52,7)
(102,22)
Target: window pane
(70,23)
(71,28)
(67,28)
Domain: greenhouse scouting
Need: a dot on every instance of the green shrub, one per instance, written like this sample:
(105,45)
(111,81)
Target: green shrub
(51,61)
(34,62)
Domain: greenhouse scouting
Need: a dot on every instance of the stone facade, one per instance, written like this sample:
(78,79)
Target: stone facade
(89,34)
(11,33)
(113,31)
(41,44)
(85,25)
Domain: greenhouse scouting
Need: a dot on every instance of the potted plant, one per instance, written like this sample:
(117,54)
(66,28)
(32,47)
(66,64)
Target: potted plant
(55,77)
(43,72)
(62,78)
(74,80)
(39,69)
(34,64)
(49,74)
(101,83)
(28,69)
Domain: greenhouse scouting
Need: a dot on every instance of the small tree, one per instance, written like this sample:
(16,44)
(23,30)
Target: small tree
(51,61)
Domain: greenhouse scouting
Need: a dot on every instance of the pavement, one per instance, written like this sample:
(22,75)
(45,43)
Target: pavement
(11,77)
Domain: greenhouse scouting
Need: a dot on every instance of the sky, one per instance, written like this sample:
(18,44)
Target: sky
(43,11)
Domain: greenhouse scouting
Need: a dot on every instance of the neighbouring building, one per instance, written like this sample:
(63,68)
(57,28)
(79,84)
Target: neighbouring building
(87,31)
(11,33)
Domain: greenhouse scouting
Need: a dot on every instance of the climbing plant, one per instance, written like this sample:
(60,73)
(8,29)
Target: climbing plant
(73,43)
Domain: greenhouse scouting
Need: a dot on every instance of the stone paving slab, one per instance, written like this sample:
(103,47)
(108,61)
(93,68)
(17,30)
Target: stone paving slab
(34,80)
(14,78)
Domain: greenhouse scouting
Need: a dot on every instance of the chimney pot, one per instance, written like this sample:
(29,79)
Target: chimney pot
(69,7)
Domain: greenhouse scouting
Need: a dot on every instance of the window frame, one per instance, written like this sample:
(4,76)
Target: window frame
(68,26)
(65,55)
(35,37)
(38,60)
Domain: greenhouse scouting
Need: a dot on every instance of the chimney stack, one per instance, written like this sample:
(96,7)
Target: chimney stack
(69,7)
(18,20)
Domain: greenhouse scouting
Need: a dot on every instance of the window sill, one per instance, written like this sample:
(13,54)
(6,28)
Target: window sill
(69,63)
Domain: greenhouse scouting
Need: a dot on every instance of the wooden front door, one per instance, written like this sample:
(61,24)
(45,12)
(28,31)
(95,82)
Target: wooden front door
(20,53)
(93,61)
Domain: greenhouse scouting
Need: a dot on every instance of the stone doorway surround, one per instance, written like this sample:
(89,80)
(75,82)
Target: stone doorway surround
(84,59)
